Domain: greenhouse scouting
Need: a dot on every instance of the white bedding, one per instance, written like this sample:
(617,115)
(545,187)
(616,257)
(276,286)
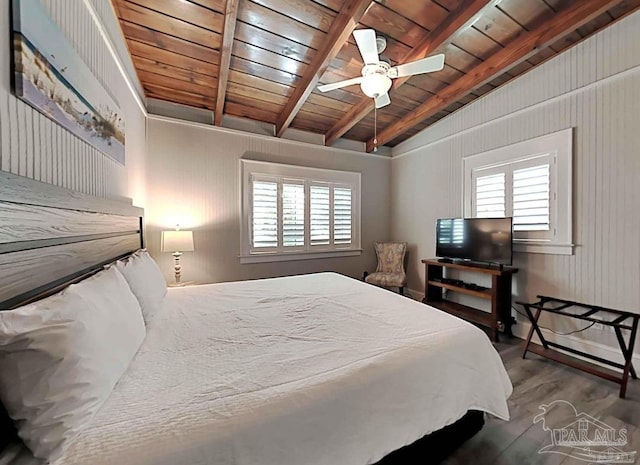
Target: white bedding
(314,370)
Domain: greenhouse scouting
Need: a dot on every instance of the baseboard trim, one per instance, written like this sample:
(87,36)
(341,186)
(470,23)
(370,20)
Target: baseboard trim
(415,295)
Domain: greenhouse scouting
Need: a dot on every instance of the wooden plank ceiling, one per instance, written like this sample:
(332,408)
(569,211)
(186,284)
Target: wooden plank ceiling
(263,59)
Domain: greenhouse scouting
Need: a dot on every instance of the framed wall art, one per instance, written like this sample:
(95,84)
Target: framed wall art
(50,76)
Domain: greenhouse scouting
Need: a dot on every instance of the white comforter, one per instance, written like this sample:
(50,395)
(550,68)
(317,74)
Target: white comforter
(306,370)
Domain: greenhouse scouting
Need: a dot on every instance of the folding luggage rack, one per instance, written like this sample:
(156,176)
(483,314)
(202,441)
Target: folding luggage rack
(596,315)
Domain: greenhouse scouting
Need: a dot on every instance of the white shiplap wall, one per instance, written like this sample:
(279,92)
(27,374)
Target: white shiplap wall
(194,180)
(34,146)
(595,88)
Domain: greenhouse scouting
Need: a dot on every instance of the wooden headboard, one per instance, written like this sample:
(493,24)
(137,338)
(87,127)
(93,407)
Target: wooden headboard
(51,237)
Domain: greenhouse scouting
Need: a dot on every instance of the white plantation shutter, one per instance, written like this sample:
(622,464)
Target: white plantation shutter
(342,215)
(490,199)
(293,212)
(320,215)
(286,223)
(531,196)
(521,189)
(264,214)
(292,215)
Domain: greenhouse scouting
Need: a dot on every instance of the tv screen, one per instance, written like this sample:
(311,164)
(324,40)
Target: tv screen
(475,239)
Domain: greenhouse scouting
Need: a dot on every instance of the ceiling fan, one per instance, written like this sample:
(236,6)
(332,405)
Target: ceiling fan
(376,77)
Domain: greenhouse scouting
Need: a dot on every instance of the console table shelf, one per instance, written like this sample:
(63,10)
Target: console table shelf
(499,294)
(463,311)
(484,294)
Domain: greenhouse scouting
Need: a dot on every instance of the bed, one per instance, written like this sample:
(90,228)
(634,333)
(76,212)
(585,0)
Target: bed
(315,369)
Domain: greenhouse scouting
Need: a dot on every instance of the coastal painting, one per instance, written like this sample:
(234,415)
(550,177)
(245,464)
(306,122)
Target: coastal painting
(50,76)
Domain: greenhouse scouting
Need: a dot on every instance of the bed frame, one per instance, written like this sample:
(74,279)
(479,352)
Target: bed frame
(51,237)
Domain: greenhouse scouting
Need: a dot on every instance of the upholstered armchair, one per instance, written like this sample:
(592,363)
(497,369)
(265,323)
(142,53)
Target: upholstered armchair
(390,270)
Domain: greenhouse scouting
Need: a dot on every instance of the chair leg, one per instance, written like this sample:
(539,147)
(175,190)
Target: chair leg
(401,290)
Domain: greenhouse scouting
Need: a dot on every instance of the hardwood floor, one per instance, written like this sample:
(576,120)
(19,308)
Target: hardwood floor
(538,381)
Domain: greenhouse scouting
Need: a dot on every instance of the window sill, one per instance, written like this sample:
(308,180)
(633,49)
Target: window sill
(298,255)
(543,247)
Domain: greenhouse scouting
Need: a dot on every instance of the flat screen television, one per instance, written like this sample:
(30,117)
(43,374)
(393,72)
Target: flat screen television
(487,240)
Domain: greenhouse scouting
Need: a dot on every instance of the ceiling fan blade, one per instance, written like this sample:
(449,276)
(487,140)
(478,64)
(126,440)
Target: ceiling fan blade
(366,40)
(426,65)
(383,100)
(340,84)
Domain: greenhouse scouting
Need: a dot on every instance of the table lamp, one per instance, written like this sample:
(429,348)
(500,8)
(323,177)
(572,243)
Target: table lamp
(177,242)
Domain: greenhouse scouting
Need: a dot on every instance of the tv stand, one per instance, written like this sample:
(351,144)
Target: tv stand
(499,294)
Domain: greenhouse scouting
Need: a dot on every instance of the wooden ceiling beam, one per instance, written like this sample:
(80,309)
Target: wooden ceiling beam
(522,47)
(463,17)
(340,30)
(228,33)
(458,20)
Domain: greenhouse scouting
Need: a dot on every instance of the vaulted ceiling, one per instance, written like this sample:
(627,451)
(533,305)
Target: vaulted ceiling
(263,59)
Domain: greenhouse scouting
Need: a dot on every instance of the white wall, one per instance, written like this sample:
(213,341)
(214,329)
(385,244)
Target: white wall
(194,180)
(593,87)
(34,146)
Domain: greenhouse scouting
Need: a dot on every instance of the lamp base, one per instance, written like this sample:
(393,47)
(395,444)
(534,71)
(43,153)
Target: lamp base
(176,267)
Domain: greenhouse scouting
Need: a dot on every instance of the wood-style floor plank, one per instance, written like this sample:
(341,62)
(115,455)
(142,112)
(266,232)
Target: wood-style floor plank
(538,381)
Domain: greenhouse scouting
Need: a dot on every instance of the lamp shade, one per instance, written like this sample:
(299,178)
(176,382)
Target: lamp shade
(177,241)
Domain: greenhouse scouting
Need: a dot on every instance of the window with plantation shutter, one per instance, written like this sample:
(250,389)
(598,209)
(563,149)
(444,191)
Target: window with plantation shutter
(292,212)
(521,190)
(531,182)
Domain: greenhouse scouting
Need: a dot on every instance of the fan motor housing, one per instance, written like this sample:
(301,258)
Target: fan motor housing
(381,67)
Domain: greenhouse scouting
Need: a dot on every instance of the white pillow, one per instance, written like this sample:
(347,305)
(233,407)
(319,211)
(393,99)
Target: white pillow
(146,281)
(61,357)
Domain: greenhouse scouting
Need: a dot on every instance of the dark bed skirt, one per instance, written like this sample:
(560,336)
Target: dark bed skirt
(435,447)
(431,449)
(8,432)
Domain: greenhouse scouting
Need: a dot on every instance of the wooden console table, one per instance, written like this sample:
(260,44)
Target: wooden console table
(593,314)
(499,294)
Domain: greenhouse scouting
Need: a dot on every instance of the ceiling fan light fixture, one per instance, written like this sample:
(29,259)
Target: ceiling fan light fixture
(377,72)
(375,85)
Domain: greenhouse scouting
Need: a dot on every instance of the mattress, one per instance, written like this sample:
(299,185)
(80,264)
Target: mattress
(317,370)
